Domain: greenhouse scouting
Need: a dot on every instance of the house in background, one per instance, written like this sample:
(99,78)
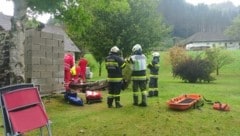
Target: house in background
(205,40)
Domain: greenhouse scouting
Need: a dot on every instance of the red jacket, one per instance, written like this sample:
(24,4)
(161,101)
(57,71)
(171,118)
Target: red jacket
(83,65)
(68,61)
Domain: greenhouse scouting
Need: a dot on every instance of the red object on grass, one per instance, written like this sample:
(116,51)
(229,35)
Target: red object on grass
(183,102)
(93,96)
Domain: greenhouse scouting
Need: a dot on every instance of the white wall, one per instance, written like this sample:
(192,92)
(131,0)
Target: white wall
(205,45)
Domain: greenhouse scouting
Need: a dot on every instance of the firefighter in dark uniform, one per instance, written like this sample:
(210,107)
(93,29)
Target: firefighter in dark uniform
(154,69)
(114,66)
(138,60)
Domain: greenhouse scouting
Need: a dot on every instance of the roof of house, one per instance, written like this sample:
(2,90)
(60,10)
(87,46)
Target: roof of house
(206,37)
(5,24)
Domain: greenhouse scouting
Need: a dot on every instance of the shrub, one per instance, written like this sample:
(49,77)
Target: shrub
(193,70)
(177,55)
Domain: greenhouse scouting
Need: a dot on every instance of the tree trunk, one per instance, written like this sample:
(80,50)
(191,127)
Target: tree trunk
(100,69)
(17,64)
(217,70)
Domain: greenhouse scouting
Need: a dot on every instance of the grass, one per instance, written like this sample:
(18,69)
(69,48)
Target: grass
(156,119)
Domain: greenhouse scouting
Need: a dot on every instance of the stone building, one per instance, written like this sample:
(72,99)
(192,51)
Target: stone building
(44,53)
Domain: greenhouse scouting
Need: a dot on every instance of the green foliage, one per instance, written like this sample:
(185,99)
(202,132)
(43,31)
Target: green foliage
(190,67)
(143,25)
(187,68)
(76,16)
(193,70)
(234,29)
(43,6)
(108,23)
(105,29)
(31,24)
(91,62)
(219,58)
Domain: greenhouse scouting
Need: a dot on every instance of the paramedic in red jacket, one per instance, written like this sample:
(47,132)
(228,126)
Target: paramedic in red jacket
(114,66)
(83,65)
(68,64)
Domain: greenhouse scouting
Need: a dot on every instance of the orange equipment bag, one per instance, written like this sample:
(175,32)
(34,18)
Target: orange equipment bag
(221,106)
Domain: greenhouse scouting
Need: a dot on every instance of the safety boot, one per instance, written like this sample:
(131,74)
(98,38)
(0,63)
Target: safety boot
(109,102)
(155,93)
(135,100)
(144,101)
(150,94)
(117,102)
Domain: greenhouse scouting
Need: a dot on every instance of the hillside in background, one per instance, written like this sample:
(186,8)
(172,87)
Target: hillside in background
(187,19)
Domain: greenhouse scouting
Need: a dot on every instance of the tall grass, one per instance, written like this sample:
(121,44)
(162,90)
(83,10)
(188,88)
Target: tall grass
(156,119)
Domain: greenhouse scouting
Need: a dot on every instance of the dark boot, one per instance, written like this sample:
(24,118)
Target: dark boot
(109,102)
(117,102)
(144,101)
(135,100)
(150,94)
(156,93)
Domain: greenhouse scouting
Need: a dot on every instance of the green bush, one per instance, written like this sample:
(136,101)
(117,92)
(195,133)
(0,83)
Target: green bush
(193,70)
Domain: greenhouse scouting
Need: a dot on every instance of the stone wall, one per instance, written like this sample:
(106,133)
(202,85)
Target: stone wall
(44,65)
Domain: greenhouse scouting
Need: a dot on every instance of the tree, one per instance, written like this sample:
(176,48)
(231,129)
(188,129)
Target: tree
(105,30)
(194,69)
(234,30)
(190,68)
(187,19)
(143,25)
(219,58)
(137,21)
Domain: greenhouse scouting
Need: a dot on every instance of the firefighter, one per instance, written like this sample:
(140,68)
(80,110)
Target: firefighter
(114,66)
(154,69)
(138,60)
(68,64)
(83,65)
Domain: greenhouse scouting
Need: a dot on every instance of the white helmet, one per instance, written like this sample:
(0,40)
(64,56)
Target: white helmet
(137,47)
(114,49)
(155,54)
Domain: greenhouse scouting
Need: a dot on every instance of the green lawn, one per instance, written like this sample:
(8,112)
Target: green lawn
(156,119)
